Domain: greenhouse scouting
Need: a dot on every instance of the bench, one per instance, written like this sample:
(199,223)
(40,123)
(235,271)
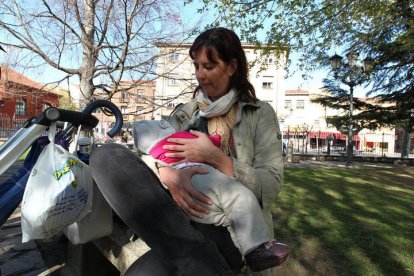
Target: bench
(110,255)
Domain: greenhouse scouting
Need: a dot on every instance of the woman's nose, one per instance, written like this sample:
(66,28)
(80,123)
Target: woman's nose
(200,75)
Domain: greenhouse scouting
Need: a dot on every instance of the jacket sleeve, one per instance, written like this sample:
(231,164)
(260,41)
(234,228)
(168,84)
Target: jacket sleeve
(264,173)
(178,119)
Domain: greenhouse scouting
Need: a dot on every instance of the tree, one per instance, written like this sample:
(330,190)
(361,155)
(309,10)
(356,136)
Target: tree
(367,114)
(381,29)
(101,42)
(313,29)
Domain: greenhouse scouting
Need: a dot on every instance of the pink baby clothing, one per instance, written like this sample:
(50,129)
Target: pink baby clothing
(158,152)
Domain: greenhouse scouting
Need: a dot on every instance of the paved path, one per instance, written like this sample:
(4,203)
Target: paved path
(337,164)
(17,258)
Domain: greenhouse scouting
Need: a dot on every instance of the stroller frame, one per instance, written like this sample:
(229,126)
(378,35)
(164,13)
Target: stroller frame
(23,138)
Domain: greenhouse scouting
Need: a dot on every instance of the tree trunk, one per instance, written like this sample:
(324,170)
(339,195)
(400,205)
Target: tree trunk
(87,68)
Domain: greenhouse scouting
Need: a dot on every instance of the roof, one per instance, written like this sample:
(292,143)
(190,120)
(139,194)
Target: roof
(9,75)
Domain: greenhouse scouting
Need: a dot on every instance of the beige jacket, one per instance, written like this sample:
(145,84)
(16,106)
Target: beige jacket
(257,138)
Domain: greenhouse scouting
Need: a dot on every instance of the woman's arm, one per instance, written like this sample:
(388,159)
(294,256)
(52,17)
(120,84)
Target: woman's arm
(259,163)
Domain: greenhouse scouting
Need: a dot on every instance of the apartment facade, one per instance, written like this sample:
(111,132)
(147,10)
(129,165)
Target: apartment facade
(22,98)
(135,99)
(177,79)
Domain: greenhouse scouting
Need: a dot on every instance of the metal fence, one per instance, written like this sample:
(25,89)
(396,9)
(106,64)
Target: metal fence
(9,125)
(369,144)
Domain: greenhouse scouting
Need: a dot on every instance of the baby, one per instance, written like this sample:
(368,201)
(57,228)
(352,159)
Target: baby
(234,206)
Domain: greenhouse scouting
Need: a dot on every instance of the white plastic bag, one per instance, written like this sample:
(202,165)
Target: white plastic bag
(58,192)
(96,224)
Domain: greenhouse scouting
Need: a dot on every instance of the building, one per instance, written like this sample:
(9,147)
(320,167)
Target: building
(177,80)
(22,98)
(304,125)
(135,99)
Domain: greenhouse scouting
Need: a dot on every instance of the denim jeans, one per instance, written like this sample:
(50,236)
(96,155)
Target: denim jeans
(138,198)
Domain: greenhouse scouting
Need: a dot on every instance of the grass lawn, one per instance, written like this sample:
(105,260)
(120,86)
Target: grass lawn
(340,221)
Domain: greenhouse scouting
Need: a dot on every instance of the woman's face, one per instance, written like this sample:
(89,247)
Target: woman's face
(213,77)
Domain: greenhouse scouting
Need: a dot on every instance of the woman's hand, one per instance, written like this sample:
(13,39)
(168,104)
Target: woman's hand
(183,192)
(202,150)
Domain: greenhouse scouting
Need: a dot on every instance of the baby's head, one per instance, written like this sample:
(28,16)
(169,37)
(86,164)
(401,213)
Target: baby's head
(147,133)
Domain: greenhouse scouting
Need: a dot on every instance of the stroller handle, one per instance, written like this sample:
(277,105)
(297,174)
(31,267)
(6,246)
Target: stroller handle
(87,111)
(119,121)
(76,118)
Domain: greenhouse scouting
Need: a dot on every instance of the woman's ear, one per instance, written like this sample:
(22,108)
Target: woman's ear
(233,67)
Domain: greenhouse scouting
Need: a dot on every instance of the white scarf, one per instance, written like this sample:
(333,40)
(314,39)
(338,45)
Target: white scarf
(218,107)
(221,115)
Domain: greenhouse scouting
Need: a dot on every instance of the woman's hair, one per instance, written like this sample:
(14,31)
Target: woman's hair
(227,45)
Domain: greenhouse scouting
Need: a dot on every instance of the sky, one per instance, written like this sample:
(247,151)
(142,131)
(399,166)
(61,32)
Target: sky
(187,13)
(293,82)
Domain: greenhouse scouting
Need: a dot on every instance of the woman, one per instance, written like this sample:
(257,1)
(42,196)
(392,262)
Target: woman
(225,103)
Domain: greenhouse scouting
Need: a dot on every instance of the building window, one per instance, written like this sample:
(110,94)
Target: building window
(124,109)
(288,104)
(383,145)
(140,96)
(173,56)
(140,110)
(300,104)
(124,96)
(172,80)
(267,85)
(21,107)
(171,105)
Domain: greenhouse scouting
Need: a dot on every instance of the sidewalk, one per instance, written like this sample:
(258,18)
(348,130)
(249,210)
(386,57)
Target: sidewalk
(337,164)
(17,258)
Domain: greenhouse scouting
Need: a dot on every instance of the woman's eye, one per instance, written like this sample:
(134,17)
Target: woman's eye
(209,66)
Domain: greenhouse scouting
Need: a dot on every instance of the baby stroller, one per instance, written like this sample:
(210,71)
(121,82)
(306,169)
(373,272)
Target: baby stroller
(31,136)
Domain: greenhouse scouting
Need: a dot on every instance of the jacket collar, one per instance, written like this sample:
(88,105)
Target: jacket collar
(243,105)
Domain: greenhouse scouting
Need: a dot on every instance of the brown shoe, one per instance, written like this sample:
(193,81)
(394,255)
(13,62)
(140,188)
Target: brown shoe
(266,255)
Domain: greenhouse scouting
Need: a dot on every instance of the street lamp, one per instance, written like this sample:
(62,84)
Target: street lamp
(352,75)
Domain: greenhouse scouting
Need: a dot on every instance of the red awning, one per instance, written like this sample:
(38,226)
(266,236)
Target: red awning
(335,135)
(320,134)
(340,136)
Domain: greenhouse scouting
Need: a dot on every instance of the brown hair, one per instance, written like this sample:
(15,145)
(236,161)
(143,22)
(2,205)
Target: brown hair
(227,45)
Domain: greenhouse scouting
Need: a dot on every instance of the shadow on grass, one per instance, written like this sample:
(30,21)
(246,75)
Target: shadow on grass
(342,221)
